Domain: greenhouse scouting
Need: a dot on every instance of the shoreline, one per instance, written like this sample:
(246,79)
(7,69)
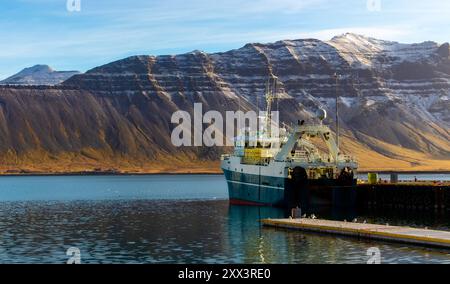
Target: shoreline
(108,174)
(404,172)
(31,174)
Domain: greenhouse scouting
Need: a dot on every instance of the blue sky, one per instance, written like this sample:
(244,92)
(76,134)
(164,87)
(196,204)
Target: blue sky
(45,32)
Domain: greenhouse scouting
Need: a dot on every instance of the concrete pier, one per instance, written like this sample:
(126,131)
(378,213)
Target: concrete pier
(422,237)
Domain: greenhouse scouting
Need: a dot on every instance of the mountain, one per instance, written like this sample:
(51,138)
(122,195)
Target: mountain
(393,101)
(39,75)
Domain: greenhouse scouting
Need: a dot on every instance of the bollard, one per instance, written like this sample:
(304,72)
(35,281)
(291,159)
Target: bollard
(296,213)
(394,178)
(372,178)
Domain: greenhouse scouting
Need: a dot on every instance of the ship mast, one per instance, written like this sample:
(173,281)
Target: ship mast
(336,77)
(269,99)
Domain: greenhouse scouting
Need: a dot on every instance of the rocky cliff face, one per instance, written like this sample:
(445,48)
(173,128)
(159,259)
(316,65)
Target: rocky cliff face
(393,101)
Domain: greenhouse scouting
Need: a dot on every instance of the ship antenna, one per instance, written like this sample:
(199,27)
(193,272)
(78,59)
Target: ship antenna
(257,103)
(276,96)
(336,77)
(239,130)
(269,98)
(258,117)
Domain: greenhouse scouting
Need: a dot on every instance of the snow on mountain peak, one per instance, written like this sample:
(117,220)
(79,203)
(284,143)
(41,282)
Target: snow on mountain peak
(39,75)
(366,51)
(38,68)
(358,39)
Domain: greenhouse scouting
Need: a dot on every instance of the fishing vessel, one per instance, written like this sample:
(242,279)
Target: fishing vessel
(301,165)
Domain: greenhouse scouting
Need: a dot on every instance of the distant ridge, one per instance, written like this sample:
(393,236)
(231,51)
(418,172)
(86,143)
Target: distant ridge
(39,75)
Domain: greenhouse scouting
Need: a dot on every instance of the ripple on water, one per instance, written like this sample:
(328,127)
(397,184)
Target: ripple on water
(146,231)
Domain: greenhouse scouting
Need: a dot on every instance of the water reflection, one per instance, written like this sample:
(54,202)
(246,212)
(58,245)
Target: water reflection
(248,240)
(256,244)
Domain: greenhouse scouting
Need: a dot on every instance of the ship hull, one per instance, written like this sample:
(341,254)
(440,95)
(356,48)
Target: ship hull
(251,189)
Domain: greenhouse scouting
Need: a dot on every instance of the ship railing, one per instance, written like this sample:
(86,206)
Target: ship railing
(225,157)
(346,158)
(300,159)
(300,155)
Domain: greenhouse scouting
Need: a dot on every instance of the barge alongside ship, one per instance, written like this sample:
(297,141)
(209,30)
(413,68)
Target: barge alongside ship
(287,169)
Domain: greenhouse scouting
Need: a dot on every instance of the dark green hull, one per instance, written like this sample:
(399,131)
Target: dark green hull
(250,189)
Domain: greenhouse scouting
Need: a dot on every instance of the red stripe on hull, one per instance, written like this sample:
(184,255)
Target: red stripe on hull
(247,203)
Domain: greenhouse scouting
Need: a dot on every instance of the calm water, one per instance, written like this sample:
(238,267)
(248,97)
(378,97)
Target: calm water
(170,219)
